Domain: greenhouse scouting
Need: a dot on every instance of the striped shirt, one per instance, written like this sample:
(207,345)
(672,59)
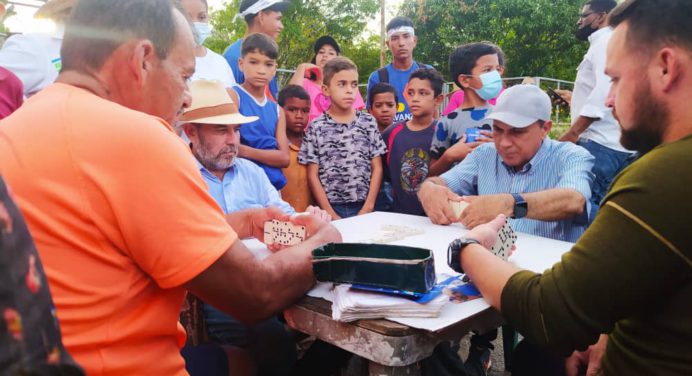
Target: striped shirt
(555,165)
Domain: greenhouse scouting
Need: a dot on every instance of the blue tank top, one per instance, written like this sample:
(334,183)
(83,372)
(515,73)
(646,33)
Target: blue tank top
(261,133)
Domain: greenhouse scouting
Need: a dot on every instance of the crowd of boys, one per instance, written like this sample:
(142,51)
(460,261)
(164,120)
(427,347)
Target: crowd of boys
(257,156)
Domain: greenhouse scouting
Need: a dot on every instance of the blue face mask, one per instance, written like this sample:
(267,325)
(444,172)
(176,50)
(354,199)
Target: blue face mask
(202,32)
(492,85)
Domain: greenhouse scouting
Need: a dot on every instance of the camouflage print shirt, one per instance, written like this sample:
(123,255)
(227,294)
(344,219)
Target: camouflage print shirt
(344,153)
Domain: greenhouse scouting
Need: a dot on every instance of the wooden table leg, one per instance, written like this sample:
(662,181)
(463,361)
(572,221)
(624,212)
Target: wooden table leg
(375,369)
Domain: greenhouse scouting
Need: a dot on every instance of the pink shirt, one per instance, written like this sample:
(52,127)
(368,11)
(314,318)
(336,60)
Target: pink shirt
(457,99)
(11,96)
(319,103)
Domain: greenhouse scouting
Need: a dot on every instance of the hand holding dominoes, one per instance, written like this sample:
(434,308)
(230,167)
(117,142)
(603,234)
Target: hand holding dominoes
(458,207)
(283,233)
(506,237)
(496,235)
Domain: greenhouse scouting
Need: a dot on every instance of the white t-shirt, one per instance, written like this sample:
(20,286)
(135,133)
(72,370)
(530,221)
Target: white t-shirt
(34,58)
(590,93)
(213,66)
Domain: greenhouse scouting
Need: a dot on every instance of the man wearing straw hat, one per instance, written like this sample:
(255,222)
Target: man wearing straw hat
(212,124)
(35,57)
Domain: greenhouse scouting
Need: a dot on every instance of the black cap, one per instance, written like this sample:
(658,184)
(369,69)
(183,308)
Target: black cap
(281,6)
(326,39)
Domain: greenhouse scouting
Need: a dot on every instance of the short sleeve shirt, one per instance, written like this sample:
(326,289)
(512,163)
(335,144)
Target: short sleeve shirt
(122,220)
(213,66)
(344,153)
(452,127)
(407,165)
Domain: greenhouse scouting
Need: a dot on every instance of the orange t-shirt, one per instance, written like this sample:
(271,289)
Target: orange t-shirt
(296,191)
(121,218)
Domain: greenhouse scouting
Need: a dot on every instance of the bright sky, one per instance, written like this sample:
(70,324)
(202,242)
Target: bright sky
(23,21)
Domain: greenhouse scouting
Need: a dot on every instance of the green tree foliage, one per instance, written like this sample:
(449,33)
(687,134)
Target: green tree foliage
(9,12)
(304,22)
(536,35)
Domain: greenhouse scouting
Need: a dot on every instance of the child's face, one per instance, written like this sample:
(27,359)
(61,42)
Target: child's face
(484,64)
(383,108)
(421,98)
(270,23)
(342,89)
(258,68)
(325,54)
(402,45)
(297,112)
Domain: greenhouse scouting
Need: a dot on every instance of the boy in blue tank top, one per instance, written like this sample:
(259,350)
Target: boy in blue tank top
(263,141)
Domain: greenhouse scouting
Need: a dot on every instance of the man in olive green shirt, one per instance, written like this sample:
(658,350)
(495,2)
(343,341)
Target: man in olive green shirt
(629,277)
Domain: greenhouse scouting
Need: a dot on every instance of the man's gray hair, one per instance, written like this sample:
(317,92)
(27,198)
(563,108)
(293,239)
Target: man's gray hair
(98,27)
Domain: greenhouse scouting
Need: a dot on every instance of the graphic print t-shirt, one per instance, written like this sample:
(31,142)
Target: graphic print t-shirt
(407,165)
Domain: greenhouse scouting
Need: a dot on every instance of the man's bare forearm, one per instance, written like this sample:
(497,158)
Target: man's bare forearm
(554,204)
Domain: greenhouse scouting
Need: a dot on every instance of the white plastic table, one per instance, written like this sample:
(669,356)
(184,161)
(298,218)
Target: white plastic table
(393,348)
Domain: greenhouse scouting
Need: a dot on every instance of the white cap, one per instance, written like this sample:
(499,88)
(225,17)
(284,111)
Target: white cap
(522,105)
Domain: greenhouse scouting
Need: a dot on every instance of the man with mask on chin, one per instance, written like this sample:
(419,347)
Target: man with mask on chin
(593,126)
(35,57)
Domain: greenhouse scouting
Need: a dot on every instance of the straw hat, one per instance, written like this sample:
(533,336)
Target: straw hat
(55,9)
(211,104)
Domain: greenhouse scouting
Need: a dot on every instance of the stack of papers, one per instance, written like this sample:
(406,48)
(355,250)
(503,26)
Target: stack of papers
(350,305)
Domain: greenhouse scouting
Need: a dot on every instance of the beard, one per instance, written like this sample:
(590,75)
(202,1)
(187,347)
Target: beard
(221,161)
(583,33)
(650,122)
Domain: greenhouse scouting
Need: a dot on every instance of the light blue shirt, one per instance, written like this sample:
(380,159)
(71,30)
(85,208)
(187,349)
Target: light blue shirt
(244,186)
(555,165)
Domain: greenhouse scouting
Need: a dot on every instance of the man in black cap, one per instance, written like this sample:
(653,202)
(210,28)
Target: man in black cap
(261,16)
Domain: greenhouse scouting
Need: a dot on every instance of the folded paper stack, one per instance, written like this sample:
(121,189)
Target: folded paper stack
(350,305)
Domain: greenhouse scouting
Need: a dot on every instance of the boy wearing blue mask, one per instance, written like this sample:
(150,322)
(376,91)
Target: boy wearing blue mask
(475,68)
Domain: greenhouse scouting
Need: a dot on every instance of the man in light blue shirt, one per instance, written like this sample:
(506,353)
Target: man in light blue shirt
(244,185)
(541,184)
(212,126)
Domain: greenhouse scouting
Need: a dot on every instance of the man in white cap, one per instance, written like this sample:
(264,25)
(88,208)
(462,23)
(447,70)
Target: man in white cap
(542,184)
(35,57)
(261,16)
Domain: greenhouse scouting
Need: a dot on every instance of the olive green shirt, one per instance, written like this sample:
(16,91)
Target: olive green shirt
(629,275)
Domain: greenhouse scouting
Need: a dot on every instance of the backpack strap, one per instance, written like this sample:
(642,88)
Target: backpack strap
(392,136)
(383,75)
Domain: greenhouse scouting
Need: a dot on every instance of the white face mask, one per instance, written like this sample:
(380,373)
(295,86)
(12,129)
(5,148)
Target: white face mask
(202,32)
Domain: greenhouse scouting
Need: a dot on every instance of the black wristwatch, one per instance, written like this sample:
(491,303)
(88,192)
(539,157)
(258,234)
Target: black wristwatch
(454,252)
(521,208)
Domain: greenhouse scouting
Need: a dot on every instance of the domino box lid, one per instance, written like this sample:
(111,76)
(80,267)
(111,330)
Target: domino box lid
(378,265)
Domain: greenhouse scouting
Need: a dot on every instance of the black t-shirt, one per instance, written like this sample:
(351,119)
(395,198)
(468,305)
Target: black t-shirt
(407,164)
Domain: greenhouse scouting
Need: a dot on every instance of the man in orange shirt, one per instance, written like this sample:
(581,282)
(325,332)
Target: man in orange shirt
(116,205)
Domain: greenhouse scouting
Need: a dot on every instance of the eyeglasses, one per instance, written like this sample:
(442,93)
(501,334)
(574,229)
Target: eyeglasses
(584,15)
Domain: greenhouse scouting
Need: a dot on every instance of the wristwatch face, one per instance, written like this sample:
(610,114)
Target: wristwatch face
(520,206)
(453,252)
